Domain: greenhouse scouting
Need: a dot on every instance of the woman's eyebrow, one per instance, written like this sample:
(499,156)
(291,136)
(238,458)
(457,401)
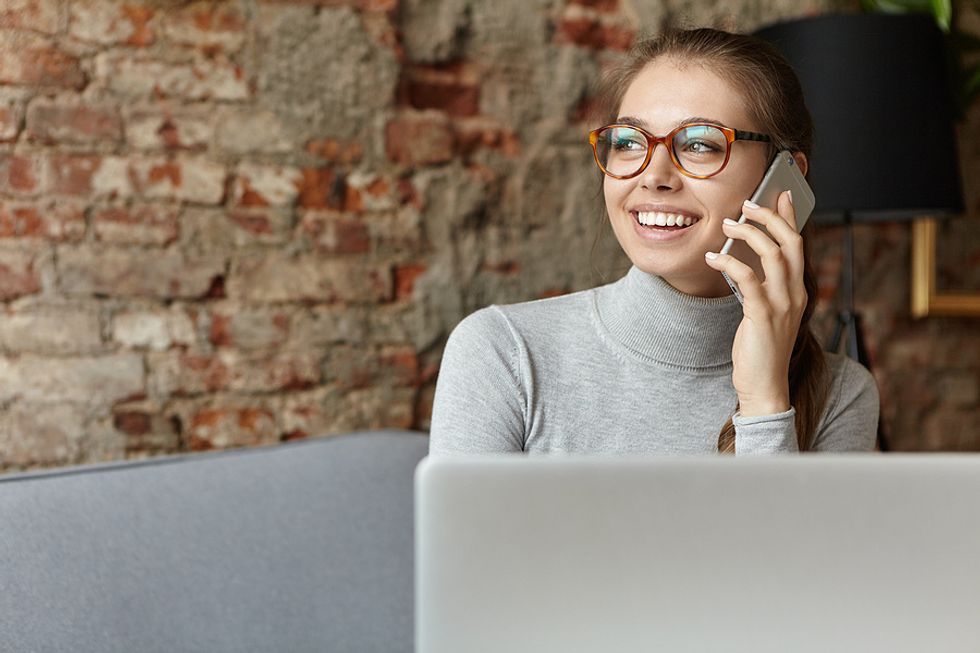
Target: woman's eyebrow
(637,122)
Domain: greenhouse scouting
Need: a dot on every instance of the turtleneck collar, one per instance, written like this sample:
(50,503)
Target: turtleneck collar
(650,317)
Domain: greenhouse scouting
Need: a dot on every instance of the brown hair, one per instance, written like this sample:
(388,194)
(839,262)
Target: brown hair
(775,101)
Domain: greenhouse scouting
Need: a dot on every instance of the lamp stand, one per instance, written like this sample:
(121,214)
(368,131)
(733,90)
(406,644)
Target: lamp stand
(848,320)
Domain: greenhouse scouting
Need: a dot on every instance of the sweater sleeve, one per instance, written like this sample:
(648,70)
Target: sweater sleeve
(479,404)
(766,433)
(849,421)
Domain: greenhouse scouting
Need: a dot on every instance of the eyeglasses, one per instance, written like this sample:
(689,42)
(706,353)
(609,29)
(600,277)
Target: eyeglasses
(698,149)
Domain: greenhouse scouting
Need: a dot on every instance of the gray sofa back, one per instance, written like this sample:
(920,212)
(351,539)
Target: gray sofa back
(304,546)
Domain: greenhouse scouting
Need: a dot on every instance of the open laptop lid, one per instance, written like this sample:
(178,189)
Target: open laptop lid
(746,555)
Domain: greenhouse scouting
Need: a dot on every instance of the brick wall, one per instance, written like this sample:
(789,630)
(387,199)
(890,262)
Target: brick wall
(239,222)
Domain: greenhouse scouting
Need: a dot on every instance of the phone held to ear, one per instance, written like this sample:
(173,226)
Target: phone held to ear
(783,175)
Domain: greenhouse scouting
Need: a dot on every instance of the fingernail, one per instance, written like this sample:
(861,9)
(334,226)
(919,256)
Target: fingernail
(710,255)
(789,194)
(729,221)
(751,204)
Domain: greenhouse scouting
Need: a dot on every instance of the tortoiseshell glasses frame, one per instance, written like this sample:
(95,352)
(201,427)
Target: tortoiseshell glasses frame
(731,135)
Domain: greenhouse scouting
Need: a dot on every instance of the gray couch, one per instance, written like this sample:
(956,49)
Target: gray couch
(304,546)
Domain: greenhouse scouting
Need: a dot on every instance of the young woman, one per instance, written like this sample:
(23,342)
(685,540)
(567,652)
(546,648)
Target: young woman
(666,360)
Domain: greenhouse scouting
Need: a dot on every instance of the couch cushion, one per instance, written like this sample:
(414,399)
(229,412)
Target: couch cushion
(305,546)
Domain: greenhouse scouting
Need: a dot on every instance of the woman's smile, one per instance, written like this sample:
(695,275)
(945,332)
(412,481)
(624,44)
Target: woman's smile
(664,224)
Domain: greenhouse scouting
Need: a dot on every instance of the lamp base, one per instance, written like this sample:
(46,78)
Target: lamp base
(848,320)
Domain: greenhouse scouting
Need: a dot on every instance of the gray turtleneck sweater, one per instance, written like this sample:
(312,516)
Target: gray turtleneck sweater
(632,367)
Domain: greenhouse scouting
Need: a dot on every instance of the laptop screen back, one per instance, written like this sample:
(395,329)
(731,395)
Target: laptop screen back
(809,553)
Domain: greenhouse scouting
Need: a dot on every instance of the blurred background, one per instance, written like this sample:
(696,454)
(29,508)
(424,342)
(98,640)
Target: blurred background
(237,223)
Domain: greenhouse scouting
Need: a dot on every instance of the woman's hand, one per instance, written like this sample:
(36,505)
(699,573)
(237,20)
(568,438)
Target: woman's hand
(772,309)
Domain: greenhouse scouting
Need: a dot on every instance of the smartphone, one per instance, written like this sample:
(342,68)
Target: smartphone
(781,176)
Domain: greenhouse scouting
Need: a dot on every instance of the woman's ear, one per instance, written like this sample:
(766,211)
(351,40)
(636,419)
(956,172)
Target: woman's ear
(801,162)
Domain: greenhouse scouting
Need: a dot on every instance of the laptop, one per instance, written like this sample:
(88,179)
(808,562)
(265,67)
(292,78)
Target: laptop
(820,553)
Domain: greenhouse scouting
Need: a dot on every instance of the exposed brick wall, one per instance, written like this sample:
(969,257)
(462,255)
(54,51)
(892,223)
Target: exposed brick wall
(235,223)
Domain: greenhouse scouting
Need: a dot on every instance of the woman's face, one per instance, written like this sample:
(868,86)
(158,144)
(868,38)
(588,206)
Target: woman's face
(661,97)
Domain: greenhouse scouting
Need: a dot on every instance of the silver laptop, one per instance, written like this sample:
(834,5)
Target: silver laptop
(870,553)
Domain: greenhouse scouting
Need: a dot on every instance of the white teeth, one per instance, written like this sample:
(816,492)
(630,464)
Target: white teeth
(665,219)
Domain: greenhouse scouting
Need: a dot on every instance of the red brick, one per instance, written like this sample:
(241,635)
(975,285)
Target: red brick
(57,221)
(423,408)
(257,223)
(408,195)
(147,430)
(320,188)
(171,131)
(205,78)
(416,139)
(336,152)
(552,292)
(353,202)
(261,185)
(594,34)
(36,15)
(598,5)
(279,276)
(42,433)
(353,367)
(276,372)
(476,134)
(16,222)
(30,60)
(136,272)
(381,27)
(19,174)
(336,233)
(219,427)
(379,187)
(506,268)
(111,23)
(405,276)
(182,178)
(139,17)
(132,422)
(379,6)
(136,225)
(219,335)
(453,88)
(9,122)
(369,192)
(18,276)
(202,373)
(399,366)
(207,27)
(70,174)
(73,122)
(248,328)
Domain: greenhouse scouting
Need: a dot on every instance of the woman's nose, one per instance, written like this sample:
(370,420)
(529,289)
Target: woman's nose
(660,173)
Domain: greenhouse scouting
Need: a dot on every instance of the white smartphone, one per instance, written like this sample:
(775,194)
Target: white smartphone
(781,176)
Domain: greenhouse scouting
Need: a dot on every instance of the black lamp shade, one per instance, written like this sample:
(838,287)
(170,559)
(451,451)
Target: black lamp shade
(877,86)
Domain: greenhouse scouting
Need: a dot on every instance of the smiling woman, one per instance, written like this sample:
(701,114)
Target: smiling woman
(665,360)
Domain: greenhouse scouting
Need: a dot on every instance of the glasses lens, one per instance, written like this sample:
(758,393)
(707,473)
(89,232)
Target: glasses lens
(700,149)
(621,150)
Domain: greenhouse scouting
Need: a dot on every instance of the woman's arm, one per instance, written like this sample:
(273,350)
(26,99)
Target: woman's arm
(849,421)
(480,402)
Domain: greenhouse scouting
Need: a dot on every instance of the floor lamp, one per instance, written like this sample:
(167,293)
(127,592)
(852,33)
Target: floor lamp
(885,148)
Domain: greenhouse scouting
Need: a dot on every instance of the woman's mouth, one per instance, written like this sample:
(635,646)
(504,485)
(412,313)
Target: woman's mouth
(663,220)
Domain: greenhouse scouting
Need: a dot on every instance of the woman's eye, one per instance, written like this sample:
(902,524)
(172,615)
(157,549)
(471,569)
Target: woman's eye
(700,147)
(626,145)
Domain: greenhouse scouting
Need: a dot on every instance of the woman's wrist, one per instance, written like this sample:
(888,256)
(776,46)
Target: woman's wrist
(757,406)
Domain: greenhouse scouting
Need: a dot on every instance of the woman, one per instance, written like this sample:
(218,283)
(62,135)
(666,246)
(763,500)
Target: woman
(666,360)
